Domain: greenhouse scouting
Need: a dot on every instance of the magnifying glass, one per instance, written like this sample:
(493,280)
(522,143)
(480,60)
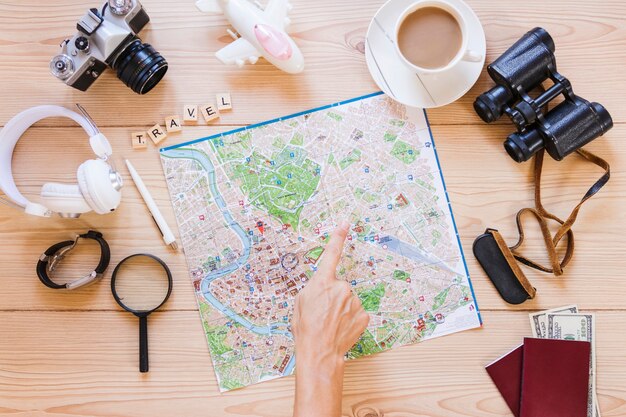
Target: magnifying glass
(141,284)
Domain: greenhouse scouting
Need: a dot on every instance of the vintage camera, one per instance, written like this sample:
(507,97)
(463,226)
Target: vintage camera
(108,37)
(524,67)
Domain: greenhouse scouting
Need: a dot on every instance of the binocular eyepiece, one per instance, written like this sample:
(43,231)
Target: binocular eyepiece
(524,67)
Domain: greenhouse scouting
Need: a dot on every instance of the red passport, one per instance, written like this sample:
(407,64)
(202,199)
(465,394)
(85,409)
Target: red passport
(506,373)
(555,378)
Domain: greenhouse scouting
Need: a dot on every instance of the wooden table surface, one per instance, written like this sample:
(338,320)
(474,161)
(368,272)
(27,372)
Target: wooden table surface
(74,354)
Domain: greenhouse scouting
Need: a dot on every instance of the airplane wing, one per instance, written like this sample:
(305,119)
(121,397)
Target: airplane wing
(276,12)
(238,52)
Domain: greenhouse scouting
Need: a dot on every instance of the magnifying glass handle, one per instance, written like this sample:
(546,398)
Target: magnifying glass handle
(143,344)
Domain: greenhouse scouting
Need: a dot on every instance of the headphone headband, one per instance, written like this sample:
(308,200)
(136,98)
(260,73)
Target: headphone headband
(17,126)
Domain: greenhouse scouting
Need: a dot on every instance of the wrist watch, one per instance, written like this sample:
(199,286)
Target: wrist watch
(56,253)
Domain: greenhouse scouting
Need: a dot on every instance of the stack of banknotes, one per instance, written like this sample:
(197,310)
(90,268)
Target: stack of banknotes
(567,323)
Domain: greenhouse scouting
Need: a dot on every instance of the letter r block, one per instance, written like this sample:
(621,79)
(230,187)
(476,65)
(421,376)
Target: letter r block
(157,134)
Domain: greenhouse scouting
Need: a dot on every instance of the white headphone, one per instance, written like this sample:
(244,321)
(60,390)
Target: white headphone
(98,187)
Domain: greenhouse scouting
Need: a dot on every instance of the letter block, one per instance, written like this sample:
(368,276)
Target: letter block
(224,102)
(157,134)
(190,115)
(139,140)
(173,124)
(210,112)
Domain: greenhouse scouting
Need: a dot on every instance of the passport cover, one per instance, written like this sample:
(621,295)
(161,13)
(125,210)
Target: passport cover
(506,373)
(555,378)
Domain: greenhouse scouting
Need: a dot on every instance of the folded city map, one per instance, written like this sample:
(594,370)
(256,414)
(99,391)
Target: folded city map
(255,207)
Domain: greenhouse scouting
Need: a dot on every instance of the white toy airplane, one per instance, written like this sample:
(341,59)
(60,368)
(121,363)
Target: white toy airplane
(262,33)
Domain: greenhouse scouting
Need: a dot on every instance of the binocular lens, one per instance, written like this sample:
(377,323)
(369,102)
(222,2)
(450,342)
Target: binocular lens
(490,105)
(140,67)
(522,146)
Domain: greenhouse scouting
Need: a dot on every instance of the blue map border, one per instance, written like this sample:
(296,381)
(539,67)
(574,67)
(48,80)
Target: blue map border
(341,103)
(456,229)
(279,119)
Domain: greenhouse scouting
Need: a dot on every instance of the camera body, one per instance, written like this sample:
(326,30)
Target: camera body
(524,67)
(107,37)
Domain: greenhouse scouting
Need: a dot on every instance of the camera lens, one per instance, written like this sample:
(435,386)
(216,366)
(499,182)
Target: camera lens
(140,66)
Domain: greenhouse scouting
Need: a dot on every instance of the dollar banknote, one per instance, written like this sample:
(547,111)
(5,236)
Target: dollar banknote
(580,327)
(538,320)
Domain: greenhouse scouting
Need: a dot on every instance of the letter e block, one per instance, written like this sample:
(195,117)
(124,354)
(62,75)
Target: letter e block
(190,114)
(173,124)
(224,102)
(139,140)
(157,134)
(210,112)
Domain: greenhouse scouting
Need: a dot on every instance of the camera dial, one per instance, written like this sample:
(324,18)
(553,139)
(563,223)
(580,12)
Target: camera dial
(82,44)
(120,7)
(62,67)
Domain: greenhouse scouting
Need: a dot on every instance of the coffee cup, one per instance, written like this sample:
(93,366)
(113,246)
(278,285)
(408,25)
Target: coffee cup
(431,37)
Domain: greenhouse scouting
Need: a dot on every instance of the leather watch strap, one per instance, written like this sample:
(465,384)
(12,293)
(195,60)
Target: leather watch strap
(54,254)
(42,265)
(105,251)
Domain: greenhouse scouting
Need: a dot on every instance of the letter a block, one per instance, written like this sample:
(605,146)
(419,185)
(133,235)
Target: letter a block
(210,112)
(173,124)
(157,134)
(139,140)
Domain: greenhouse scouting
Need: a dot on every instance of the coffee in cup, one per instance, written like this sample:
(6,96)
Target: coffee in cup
(430,37)
(425,53)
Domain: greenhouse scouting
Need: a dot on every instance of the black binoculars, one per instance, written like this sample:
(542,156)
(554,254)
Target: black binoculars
(524,67)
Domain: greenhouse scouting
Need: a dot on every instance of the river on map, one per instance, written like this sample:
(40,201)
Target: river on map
(279,328)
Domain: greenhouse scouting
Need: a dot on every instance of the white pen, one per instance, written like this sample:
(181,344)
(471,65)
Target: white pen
(168,236)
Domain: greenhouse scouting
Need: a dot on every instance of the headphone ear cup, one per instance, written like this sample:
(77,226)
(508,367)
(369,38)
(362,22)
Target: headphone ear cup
(64,198)
(97,187)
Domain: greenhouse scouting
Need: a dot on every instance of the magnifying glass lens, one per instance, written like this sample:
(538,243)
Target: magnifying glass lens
(141,284)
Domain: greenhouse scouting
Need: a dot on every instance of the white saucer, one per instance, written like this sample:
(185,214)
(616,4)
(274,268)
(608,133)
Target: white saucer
(403,84)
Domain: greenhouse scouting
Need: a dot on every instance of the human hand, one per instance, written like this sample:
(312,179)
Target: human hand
(328,319)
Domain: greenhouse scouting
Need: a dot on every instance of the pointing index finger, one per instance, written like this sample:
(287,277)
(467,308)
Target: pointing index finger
(334,249)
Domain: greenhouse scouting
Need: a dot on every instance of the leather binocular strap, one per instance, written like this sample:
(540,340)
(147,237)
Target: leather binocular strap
(543,216)
(510,260)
